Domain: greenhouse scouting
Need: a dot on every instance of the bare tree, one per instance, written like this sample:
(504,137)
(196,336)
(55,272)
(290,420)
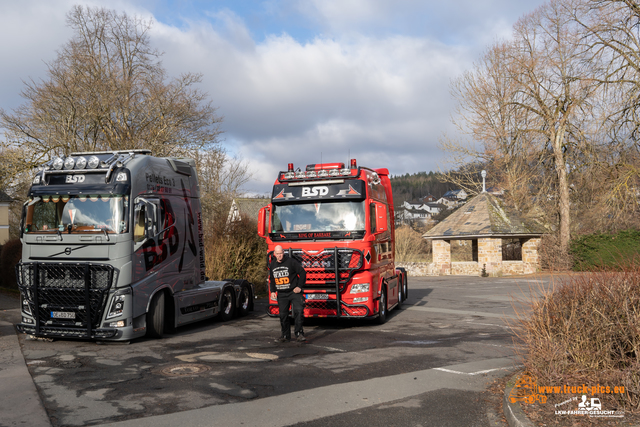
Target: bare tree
(221,179)
(107,90)
(529,103)
(488,112)
(611,31)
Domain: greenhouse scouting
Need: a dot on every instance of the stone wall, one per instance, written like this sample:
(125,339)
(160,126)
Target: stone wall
(512,268)
(530,256)
(490,255)
(508,268)
(468,268)
(418,269)
(442,256)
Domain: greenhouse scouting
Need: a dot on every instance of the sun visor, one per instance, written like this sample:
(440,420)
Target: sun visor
(348,190)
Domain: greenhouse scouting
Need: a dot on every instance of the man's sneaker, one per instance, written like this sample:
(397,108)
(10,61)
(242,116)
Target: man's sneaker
(282,339)
(301,338)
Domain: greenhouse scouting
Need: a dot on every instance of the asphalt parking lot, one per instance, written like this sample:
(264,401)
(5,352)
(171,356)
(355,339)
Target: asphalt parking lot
(430,364)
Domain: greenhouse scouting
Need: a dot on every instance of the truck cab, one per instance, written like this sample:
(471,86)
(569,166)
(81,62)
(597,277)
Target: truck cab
(338,223)
(113,249)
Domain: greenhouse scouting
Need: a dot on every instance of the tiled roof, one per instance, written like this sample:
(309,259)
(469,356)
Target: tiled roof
(483,215)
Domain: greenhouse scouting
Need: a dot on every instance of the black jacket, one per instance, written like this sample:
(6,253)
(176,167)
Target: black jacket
(286,275)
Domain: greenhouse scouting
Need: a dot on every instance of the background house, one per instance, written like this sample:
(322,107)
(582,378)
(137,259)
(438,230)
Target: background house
(453,198)
(5,201)
(410,212)
(246,208)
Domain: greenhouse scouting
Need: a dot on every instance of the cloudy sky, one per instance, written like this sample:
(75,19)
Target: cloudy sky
(297,80)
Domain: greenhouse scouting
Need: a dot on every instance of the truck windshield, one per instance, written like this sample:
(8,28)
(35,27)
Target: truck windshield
(318,216)
(95,213)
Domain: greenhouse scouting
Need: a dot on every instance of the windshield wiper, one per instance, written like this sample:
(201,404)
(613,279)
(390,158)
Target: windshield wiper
(104,230)
(59,233)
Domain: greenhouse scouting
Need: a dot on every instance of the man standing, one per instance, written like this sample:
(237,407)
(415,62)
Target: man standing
(286,278)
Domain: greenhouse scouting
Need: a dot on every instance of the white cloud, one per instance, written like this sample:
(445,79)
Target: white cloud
(284,101)
(373,81)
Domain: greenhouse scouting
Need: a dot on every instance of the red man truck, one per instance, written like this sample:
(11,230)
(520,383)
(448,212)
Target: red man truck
(339,223)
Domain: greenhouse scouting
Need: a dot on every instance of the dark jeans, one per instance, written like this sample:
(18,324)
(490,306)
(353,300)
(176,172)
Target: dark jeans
(285,299)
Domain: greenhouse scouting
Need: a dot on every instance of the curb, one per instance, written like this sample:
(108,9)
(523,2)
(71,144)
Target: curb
(512,411)
(21,404)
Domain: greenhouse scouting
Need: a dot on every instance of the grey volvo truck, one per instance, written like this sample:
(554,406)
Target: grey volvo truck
(113,250)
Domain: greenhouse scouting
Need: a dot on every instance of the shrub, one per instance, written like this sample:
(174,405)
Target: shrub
(9,258)
(552,258)
(606,251)
(410,246)
(587,331)
(238,253)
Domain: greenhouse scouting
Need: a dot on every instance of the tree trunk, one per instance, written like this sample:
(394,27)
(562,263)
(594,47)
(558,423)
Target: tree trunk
(564,209)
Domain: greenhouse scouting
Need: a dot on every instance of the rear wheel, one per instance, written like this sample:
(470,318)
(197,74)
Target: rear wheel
(382,307)
(405,293)
(401,296)
(227,304)
(244,302)
(155,316)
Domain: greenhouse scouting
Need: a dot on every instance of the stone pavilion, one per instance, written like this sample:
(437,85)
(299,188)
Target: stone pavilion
(493,232)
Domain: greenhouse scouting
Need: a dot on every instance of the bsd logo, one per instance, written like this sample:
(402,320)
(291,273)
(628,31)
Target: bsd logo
(74,178)
(315,191)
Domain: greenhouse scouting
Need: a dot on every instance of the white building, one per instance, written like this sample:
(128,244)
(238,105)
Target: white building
(410,212)
(453,198)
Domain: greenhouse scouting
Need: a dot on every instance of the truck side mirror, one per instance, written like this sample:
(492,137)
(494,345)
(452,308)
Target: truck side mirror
(381,218)
(262,221)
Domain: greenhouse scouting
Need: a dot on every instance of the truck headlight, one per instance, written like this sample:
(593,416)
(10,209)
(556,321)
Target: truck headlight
(117,306)
(117,303)
(25,306)
(357,288)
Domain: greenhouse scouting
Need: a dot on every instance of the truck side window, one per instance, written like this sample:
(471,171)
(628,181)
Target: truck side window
(138,229)
(372,217)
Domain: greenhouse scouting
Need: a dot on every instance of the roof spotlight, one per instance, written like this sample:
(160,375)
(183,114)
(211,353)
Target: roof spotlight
(69,162)
(58,163)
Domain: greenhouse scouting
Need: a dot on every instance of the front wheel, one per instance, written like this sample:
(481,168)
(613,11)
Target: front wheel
(155,316)
(382,307)
(227,305)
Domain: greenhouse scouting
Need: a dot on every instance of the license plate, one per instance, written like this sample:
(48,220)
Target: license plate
(317,296)
(63,315)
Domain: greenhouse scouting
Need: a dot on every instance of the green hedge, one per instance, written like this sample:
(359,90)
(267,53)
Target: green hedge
(606,251)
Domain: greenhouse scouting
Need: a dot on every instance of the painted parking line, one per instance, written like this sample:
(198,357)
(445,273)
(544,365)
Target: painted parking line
(486,371)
